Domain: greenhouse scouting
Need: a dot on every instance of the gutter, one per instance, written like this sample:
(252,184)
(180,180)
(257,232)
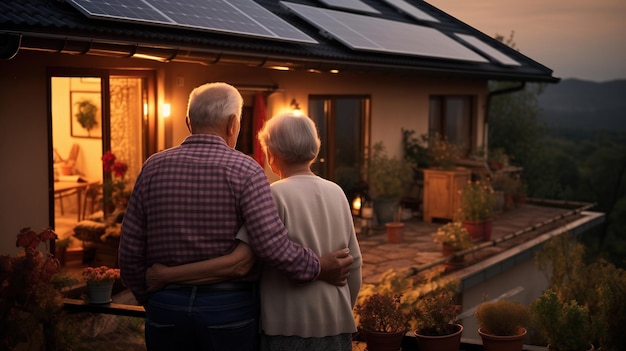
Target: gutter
(165,52)
(491,94)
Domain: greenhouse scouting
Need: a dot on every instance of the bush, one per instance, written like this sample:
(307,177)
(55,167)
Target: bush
(503,317)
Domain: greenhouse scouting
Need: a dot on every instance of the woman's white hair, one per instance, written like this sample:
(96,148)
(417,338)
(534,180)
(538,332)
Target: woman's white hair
(210,105)
(293,138)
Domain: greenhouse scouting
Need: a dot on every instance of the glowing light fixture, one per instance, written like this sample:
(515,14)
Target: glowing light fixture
(166,110)
(295,108)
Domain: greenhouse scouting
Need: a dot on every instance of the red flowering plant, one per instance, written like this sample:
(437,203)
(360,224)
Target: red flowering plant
(102,274)
(116,192)
(30,292)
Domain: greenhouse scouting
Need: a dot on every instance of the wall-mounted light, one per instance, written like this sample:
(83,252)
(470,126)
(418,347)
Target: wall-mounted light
(166,110)
(356,205)
(295,107)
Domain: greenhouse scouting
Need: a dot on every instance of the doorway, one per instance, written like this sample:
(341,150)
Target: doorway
(92,113)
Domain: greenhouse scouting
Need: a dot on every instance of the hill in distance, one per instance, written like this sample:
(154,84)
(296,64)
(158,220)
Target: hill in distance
(579,104)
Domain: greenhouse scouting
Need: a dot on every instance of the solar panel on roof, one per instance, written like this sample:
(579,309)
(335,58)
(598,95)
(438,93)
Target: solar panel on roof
(411,10)
(376,34)
(241,17)
(356,5)
(488,50)
(131,10)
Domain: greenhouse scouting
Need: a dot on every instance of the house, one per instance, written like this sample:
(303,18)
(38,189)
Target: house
(362,69)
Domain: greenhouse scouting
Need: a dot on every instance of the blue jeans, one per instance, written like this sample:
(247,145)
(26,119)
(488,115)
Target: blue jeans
(201,318)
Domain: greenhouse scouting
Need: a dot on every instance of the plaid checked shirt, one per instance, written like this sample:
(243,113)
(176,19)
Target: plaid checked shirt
(188,204)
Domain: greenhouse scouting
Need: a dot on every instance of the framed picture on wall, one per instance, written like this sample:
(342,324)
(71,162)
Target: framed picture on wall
(86,114)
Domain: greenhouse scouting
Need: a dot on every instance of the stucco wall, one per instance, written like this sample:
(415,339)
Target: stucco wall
(397,101)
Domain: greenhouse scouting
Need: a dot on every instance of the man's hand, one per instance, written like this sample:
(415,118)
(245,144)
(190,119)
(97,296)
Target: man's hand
(335,267)
(154,277)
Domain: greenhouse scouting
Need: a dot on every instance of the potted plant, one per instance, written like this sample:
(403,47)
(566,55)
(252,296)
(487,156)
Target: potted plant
(385,311)
(566,325)
(437,329)
(388,179)
(383,321)
(497,159)
(60,249)
(395,229)
(100,283)
(453,237)
(442,154)
(477,204)
(502,325)
(504,186)
(30,296)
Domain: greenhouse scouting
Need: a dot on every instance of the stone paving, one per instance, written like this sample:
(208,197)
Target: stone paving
(418,250)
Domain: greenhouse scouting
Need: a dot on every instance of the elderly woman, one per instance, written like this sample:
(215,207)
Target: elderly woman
(317,315)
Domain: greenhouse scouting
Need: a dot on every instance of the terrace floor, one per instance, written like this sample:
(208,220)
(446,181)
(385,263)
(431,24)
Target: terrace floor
(418,253)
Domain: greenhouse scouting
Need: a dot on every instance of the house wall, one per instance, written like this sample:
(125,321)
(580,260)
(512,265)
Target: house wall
(398,101)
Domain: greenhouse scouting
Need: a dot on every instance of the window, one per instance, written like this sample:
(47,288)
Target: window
(452,118)
(343,125)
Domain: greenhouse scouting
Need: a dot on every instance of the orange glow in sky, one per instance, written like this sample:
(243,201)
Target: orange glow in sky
(583,39)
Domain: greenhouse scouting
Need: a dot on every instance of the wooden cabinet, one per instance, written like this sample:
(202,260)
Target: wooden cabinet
(441,192)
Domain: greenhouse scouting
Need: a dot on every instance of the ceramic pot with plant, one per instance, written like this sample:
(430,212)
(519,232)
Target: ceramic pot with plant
(565,325)
(502,325)
(437,329)
(477,205)
(388,179)
(100,283)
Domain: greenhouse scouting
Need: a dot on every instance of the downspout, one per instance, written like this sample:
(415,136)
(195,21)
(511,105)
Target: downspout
(491,94)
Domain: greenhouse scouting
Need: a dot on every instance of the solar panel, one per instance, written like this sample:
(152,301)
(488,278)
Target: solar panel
(240,17)
(131,10)
(411,10)
(356,5)
(376,34)
(488,50)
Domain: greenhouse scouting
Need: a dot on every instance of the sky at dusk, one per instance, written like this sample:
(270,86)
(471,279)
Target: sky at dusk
(583,39)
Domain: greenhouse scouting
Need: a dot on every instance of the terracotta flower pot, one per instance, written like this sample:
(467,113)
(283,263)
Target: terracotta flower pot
(479,230)
(377,341)
(502,343)
(395,232)
(451,342)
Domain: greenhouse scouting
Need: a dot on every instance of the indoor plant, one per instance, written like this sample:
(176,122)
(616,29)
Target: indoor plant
(436,316)
(476,211)
(565,325)
(115,187)
(502,325)
(453,237)
(388,179)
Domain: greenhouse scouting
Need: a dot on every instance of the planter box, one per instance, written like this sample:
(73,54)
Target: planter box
(441,192)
